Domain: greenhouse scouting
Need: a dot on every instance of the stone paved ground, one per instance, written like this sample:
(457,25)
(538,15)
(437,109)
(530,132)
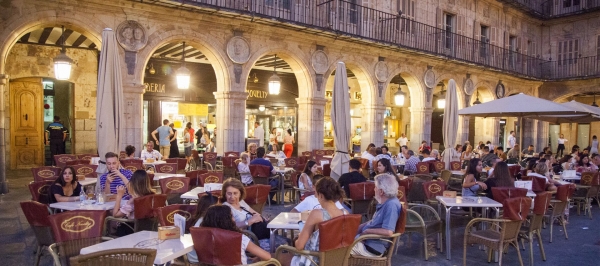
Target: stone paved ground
(17,242)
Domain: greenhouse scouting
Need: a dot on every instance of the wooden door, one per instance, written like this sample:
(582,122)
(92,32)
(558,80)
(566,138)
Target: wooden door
(26,123)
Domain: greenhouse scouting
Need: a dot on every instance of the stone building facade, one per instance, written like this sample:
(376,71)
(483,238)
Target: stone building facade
(423,42)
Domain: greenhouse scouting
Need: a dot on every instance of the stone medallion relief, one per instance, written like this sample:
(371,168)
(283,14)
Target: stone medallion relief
(320,62)
(238,50)
(469,86)
(131,36)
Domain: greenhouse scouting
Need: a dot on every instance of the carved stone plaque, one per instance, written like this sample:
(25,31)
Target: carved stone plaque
(469,87)
(381,71)
(320,62)
(429,78)
(131,36)
(238,50)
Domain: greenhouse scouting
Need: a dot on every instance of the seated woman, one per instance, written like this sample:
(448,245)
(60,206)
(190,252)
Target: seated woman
(275,151)
(252,147)
(130,151)
(500,178)
(66,187)
(471,183)
(204,203)
(232,196)
(584,165)
(328,192)
(138,186)
(244,169)
(384,166)
(220,216)
(541,171)
(305,179)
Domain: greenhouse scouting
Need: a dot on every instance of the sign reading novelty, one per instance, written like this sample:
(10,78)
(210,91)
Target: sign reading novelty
(257,94)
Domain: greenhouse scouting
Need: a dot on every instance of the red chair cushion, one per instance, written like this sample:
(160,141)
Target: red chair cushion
(216,246)
(516,209)
(362,191)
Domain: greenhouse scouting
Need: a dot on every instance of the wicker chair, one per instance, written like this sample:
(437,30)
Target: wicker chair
(501,232)
(37,215)
(195,161)
(336,237)
(438,166)
(423,168)
(424,220)
(260,174)
(62,159)
(86,156)
(165,214)
(590,185)
(433,189)
(77,162)
(210,177)
(364,166)
(168,168)
(361,197)
(132,166)
(144,213)
(116,257)
(74,230)
(542,200)
(229,166)
(257,196)
(216,246)
(386,258)
(445,176)
(455,166)
(40,191)
(174,187)
(45,173)
(181,163)
(401,194)
(210,158)
(557,213)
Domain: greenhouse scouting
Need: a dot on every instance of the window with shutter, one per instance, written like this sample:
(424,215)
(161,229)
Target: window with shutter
(598,49)
(407,7)
(449,28)
(568,52)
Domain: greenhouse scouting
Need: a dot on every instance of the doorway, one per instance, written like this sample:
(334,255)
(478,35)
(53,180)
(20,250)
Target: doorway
(554,132)
(583,136)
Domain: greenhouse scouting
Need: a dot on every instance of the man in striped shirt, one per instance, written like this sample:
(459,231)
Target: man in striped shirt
(115,177)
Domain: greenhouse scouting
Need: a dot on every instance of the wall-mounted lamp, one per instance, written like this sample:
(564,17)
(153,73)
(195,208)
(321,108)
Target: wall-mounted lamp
(399,97)
(183,74)
(62,63)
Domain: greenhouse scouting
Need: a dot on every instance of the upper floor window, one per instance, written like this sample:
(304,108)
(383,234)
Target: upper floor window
(485,33)
(598,49)
(568,52)
(569,3)
(285,4)
(449,22)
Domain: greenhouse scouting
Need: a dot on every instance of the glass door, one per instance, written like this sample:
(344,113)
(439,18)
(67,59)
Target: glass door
(583,136)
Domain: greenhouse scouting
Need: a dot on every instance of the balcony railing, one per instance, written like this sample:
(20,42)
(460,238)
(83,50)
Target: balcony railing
(547,9)
(582,67)
(345,19)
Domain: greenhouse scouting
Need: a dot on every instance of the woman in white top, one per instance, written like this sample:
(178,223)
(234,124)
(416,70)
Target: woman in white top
(232,195)
(204,202)
(244,169)
(275,151)
(468,154)
(594,149)
(561,145)
(272,139)
(220,217)
(305,179)
(541,170)
(187,144)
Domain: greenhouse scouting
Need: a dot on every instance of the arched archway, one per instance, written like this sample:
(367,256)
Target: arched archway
(482,129)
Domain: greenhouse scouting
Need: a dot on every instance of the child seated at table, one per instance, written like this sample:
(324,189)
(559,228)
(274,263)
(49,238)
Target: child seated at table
(138,186)
(204,202)
(219,216)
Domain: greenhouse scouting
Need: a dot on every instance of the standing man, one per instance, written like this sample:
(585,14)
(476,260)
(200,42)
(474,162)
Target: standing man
(402,140)
(164,133)
(259,133)
(55,135)
(115,177)
(512,140)
(199,134)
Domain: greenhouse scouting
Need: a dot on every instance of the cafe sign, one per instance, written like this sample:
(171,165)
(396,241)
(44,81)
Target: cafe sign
(154,87)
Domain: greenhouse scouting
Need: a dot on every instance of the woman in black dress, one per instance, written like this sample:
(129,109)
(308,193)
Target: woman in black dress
(174,152)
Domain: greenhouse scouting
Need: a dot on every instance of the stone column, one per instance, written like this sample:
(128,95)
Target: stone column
(529,133)
(3,89)
(494,134)
(134,115)
(311,113)
(420,126)
(542,135)
(463,130)
(231,108)
(372,128)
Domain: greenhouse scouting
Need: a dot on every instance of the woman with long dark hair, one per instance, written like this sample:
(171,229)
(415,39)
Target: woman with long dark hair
(204,202)
(305,179)
(384,166)
(66,187)
(500,178)
(471,183)
(288,143)
(219,216)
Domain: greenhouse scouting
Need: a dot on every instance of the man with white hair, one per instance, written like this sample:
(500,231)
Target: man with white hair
(384,220)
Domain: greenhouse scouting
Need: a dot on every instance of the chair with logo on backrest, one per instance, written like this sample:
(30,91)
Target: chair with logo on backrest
(168,168)
(500,194)
(116,257)
(422,168)
(195,161)
(433,189)
(424,220)
(143,211)
(88,170)
(336,238)
(216,246)
(329,152)
(327,170)
(181,163)
(210,177)
(361,195)
(317,153)
(232,153)
(77,162)
(210,158)
(455,166)
(74,230)
(86,156)
(401,194)
(193,176)
(438,166)
(257,196)
(291,162)
(500,233)
(174,187)
(445,176)
(166,214)
(557,212)
(540,206)
(514,170)
(131,161)
(40,191)
(364,166)
(260,174)
(62,159)
(45,173)
(590,184)
(37,215)
(229,166)
(133,166)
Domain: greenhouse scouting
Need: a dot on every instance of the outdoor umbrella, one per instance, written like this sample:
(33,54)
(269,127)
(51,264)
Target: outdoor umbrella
(109,103)
(521,106)
(450,121)
(340,118)
(586,114)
